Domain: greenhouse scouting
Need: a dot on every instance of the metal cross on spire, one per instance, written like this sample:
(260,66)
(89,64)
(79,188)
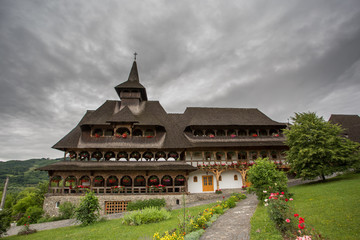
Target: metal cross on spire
(135,56)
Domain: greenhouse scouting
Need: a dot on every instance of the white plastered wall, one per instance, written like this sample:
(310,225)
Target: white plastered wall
(197,187)
(228,182)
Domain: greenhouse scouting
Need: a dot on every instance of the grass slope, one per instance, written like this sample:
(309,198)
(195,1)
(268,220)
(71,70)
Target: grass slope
(114,229)
(332,207)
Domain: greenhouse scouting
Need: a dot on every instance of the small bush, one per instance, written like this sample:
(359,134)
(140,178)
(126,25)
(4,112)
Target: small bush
(194,235)
(141,204)
(32,215)
(67,210)
(5,219)
(265,177)
(88,210)
(147,215)
(239,196)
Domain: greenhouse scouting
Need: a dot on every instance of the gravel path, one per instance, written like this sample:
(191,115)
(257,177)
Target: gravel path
(234,224)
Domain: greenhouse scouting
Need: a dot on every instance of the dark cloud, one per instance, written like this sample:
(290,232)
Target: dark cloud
(59,59)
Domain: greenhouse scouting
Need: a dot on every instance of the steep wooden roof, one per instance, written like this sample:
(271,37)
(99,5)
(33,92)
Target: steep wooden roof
(115,166)
(350,123)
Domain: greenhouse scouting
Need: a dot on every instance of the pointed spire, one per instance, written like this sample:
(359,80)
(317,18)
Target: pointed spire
(134,76)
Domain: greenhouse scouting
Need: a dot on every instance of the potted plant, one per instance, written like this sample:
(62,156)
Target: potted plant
(84,180)
(70,179)
(56,179)
(254,135)
(211,135)
(232,135)
(218,191)
(124,135)
(98,179)
(97,135)
(139,179)
(126,180)
(112,179)
(180,179)
(166,179)
(153,179)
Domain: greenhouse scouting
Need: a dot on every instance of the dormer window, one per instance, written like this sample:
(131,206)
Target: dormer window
(97,133)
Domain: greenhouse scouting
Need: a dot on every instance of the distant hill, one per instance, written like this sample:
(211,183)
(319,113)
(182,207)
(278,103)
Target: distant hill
(23,174)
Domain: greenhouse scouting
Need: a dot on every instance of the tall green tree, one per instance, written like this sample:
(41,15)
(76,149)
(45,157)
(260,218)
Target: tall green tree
(316,147)
(88,210)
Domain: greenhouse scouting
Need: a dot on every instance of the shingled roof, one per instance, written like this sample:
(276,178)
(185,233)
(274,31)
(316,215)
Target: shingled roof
(115,166)
(151,113)
(350,123)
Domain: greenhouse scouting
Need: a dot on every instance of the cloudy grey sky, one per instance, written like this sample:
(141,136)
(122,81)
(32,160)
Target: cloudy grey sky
(60,58)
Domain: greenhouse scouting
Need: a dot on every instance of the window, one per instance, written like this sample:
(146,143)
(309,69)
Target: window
(57,204)
(235,177)
(195,179)
(220,178)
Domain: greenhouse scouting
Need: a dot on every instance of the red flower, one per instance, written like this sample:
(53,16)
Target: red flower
(301,220)
(301,226)
(286,199)
(28,216)
(282,193)
(296,215)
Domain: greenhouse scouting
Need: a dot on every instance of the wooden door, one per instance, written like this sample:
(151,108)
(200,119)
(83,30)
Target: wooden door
(208,183)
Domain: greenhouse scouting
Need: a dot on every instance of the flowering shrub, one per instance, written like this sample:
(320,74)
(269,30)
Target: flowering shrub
(146,215)
(218,191)
(168,236)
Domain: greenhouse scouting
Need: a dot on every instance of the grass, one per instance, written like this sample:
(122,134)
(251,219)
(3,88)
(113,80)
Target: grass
(262,228)
(114,229)
(331,207)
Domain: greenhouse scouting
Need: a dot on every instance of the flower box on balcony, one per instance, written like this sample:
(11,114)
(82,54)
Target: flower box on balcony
(117,135)
(124,135)
(232,135)
(98,179)
(211,135)
(254,135)
(84,180)
(149,136)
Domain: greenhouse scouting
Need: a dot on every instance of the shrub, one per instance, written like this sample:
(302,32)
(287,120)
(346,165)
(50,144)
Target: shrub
(146,215)
(32,215)
(141,204)
(239,196)
(5,219)
(264,176)
(194,235)
(67,210)
(168,236)
(88,210)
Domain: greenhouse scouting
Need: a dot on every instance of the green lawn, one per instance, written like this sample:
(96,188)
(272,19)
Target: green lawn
(262,228)
(114,229)
(331,207)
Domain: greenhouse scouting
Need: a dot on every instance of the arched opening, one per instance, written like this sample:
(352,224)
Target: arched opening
(195,179)
(235,177)
(263,132)
(123,156)
(263,154)
(231,133)
(210,133)
(220,133)
(85,181)
(149,133)
(160,155)
(99,181)
(253,155)
(126,181)
(242,155)
(242,133)
(180,180)
(208,155)
(153,180)
(198,133)
(70,181)
(219,155)
(122,132)
(55,181)
(139,181)
(109,132)
(112,181)
(273,154)
(148,156)
(109,155)
(72,155)
(97,155)
(167,180)
(135,155)
(137,133)
(173,155)
(274,133)
(84,156)
(253,133)
(230,155)
(97,133)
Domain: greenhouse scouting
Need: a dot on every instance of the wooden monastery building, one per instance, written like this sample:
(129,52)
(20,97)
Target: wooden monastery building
(132,149)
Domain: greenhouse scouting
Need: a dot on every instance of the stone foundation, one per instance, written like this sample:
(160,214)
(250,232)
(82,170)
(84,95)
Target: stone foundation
(51,201)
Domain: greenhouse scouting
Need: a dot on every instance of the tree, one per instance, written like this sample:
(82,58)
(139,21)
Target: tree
(265,177)
(316,147)
(5,219)
(88,210)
